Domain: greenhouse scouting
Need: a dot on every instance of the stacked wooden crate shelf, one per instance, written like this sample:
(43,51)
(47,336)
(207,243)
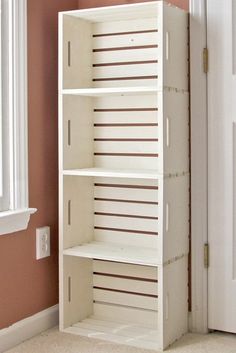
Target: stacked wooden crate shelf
(123,173)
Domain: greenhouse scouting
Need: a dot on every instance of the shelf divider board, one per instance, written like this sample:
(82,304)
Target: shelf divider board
(97,92)
(113,173)
(115,252)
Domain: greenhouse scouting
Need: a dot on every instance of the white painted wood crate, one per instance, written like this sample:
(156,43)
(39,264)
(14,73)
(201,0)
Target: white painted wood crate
(124,173)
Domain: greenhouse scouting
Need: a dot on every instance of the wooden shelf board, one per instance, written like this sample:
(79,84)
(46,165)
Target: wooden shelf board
(115,173)
(114,91)
(116,252)
(119,332)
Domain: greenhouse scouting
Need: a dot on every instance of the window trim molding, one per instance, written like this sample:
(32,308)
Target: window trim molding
(18,115)
(19,213)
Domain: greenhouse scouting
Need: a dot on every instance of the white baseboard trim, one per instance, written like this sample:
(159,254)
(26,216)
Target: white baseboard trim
(28,328)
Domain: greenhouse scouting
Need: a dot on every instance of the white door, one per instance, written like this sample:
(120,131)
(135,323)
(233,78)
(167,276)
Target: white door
(221,36)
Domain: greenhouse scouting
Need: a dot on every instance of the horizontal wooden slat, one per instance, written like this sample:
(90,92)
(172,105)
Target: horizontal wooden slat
(150,54)
(126,238)
(138,39)
(122,72)
(134,277)
(128,103)
(127,132)
(139,316)
(143,24)
(142,163)
(143,194)
(125,299)
(127,181)
(126,83)
(139,225)
(126,147)
(126,207)
(130,285)
(117,268)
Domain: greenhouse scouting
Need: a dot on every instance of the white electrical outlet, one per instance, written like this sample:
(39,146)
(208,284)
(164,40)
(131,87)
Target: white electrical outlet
(42,242)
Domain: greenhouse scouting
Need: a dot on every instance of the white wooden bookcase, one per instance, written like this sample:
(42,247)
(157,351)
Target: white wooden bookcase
(124,173)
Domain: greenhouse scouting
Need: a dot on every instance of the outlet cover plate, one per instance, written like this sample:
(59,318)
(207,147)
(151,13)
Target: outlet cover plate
(42,242)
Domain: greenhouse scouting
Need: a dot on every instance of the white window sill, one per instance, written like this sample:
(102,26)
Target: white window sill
(14,221)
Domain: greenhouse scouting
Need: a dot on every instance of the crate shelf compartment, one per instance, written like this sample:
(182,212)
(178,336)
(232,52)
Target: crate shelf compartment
(128,48)
(121,219)
(126,132)
(122,303)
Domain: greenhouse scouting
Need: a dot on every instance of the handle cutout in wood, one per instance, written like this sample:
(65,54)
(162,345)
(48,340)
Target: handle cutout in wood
(69,213)
(234,201)
(167,45)
(233,37)
(167,132)
(69,289)
(69,54)
(167,217)
(69,132)
(167,307)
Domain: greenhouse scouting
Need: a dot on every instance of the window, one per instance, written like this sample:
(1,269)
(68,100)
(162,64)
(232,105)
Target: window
(14,210)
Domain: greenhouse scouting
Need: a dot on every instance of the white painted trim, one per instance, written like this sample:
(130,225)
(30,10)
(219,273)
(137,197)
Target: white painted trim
(28,328)
(12,221)
(18,102)
(198,165)
(15,219)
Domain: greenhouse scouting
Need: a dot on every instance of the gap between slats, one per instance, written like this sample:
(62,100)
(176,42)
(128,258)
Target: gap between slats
(124,63)
(126,230)
(124,215)
(128,201)
(124,33)
(125,186)
(126,48)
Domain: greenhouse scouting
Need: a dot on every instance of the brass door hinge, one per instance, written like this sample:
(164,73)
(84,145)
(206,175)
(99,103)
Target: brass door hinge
(206,255)
(205,60)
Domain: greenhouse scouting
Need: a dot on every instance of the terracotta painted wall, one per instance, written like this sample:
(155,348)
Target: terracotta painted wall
(83,4)
(28,286)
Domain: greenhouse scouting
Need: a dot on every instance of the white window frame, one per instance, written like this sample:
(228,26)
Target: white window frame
(16,152)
